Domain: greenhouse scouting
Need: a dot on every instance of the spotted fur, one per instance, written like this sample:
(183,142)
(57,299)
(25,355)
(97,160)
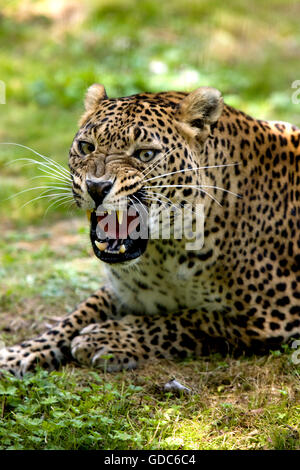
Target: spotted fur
(241,290)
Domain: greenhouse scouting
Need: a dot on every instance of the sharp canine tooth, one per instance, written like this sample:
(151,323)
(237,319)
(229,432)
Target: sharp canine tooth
(122,249)
(88,213)
(101,245)
(120,217)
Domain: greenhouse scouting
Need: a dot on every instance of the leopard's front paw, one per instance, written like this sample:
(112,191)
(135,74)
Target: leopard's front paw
(25,357)
(110,346)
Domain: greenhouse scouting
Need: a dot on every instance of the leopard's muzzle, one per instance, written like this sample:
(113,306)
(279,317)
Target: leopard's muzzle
(119,235)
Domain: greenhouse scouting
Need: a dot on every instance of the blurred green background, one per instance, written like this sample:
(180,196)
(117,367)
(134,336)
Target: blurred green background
(51,51)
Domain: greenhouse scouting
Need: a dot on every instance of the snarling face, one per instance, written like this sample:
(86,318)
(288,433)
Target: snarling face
(135,152)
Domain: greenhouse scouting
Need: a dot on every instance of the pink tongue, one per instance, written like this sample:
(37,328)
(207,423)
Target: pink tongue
(109,224)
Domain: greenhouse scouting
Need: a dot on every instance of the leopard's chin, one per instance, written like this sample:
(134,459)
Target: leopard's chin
(114,250)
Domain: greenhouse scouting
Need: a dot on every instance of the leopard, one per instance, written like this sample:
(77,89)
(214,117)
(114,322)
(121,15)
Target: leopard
(237,291)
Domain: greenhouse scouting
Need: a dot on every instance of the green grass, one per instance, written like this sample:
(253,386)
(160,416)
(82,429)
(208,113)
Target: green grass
(250,51)
(235,404)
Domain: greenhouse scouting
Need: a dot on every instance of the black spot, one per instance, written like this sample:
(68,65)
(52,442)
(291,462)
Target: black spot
(270,292)
(187,342)
(154,340)
(291,325)
(295,310)
(259,323)
(187,192)
(283,301)
(274,326)
(205,256)
(239,306)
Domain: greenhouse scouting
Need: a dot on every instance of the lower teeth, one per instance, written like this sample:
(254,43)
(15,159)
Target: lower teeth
(102,246)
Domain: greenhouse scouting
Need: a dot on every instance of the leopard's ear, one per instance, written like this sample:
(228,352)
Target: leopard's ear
(200,108)
(94,95)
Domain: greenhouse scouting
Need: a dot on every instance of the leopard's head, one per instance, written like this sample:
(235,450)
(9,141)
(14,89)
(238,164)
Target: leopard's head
(135,151)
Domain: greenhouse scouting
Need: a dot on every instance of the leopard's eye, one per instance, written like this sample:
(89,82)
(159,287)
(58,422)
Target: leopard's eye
(85,147)
(146,155)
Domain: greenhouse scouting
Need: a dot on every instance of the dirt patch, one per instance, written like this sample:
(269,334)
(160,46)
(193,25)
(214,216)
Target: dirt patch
(58,236)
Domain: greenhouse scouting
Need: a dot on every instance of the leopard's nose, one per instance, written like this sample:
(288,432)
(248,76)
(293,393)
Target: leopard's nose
(98,190)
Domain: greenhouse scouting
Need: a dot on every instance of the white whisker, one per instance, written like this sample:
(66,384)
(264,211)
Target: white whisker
(61,203)
(221,189)
(155,164)
(60,180)
(139,203)
(155,199)
(49,160)
(53,187)
(162,195)
(189,169)
(194,187)
(42,196)
(52,175)
(185,186)
(53,171)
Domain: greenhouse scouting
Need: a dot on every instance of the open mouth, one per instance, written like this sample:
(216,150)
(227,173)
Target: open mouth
(118,235)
